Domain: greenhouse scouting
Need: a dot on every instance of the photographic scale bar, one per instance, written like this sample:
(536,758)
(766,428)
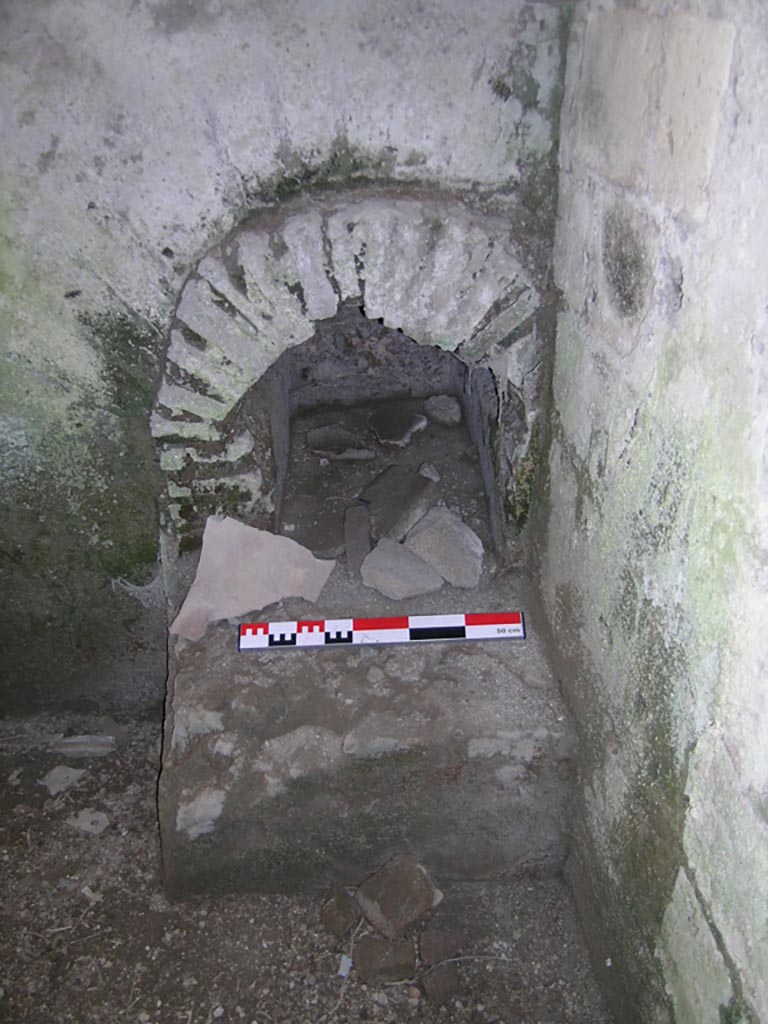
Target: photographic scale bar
(404,629)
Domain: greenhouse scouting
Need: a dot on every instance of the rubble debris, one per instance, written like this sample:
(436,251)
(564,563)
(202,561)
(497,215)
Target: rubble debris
(340,912)
(443,409)
(445,542)
(357,536)
(397,895)
(396,572)
(243,569)
(88,820)
(83,746)
(393,425)
(397,500)
(61,778)
(378,959)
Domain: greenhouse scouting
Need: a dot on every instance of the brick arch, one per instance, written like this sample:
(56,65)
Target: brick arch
(439,270)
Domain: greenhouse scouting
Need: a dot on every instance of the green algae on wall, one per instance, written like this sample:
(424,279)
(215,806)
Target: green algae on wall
(78,526)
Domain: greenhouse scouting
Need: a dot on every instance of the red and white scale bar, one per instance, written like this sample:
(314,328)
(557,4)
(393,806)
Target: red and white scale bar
(399,630)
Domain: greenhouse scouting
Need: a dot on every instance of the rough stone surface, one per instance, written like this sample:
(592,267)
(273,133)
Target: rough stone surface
(396,572)
(289,770)
(656,528)
(454,550)
(443,409)
(377,959)
(397,895)
(397,499)
(357,536)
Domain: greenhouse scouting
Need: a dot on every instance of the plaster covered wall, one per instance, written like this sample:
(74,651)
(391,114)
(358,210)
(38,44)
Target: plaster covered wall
(134,138)
(654,560)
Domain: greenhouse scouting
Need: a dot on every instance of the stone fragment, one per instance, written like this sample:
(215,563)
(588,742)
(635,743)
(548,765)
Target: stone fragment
(331,440)
(397,499)
(83,746)
(61,778)
(443,409)
(428,470)
(436,944)
(357,536)
(441,984)
(449,546)
(90,821)
(340,912)
(397,895)
(354,455)
(396,572)
(395,426)
(377,959)
(243,569)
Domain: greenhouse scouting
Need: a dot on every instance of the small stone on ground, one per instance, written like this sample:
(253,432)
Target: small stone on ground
(443,409)
(83,746)
(61,778)
(397,895)
(90,821)
(396,572)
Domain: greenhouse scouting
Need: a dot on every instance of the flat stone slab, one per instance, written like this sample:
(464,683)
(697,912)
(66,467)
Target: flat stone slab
(397,895)
(243,569)
(396,572)
(397,499)
(449,546)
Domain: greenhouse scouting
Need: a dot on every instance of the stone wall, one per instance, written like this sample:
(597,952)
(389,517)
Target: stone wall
(655,549)
(134,138)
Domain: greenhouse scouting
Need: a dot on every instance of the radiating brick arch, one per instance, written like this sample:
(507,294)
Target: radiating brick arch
(440,270)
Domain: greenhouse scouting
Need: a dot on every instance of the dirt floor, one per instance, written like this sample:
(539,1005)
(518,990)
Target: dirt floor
(87,934)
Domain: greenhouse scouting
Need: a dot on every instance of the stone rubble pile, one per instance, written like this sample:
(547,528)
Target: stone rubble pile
(400,537)
(389,904)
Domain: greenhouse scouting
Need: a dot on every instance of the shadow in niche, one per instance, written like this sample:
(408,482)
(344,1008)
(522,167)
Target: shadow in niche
(310,416)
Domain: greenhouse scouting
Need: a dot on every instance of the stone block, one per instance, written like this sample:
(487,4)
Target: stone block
(377,959)
(697,61)
(311,767)
(397,895)
(611,115)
